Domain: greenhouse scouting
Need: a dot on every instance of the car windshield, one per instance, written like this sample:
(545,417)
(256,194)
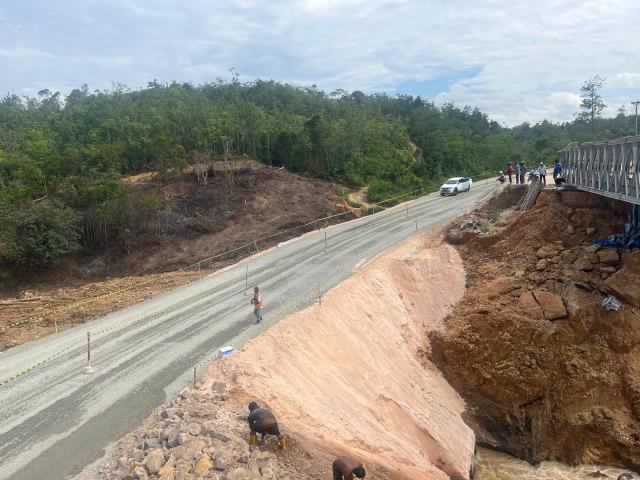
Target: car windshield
(452,181)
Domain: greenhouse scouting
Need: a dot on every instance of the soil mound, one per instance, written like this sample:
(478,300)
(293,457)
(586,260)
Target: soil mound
(350,375)
(547,371)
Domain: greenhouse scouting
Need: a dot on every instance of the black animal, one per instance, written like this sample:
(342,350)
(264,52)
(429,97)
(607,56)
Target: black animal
(263,422)
(345,468)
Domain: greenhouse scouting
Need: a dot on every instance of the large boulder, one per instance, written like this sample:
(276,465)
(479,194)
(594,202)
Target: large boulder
(529,305)
(154,461)
(549,250)
(189,450)
(500,286)
(584,263)
(552,305)
(608,256)
(625,286)
(625,283)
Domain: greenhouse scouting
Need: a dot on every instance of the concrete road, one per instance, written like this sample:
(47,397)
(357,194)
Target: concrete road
(55,417)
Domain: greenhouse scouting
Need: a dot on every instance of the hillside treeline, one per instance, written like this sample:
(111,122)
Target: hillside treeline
(62,159)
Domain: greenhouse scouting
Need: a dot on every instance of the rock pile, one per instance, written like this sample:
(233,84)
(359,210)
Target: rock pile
(202,434)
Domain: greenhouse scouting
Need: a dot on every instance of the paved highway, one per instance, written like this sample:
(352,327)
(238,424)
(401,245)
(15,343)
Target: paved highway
(55,417)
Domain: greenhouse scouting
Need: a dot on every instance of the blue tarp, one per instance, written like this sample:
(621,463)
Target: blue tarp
(617,243)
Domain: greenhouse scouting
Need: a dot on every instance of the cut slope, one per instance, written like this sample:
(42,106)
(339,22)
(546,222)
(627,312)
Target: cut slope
(348,376)
(548,372)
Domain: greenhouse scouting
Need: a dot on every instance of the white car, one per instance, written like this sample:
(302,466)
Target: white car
(455,185)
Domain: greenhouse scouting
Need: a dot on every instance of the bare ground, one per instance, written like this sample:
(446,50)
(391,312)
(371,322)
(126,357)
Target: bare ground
(547,372)
(262,206)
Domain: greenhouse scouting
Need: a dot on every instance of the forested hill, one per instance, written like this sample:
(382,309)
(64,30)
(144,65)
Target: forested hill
(61,160)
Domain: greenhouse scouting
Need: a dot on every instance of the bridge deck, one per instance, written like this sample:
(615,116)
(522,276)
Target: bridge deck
(611,168)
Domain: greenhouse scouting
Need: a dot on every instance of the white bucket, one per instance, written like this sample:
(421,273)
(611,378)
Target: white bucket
(226,351)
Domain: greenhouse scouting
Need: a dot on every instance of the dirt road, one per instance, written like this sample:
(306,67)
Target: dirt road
(55,418)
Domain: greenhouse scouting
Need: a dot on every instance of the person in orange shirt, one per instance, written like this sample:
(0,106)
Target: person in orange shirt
(257,303)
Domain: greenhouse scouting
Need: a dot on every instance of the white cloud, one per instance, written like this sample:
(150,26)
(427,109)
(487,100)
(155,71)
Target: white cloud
(528,59)
(21,53)
(625,80)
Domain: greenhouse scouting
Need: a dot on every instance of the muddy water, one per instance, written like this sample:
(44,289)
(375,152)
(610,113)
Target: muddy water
(491,465)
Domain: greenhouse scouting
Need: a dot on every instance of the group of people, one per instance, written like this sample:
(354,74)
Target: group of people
(520,170)
(540,173)
(262,421)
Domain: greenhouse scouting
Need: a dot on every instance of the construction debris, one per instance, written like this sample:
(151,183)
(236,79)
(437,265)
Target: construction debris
(611,303)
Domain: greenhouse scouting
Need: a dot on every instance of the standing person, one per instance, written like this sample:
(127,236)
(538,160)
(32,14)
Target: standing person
(509,171)
(542,170)
(517,170)
(557,172)
(523,171)
(344,468)
(257,303)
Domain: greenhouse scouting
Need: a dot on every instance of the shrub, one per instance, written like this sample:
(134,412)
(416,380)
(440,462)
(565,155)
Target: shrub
(37,235)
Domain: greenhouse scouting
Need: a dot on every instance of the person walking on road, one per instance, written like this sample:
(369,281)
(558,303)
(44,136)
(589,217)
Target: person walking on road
(257,303)
(542,171)
(345,468)
(510,172)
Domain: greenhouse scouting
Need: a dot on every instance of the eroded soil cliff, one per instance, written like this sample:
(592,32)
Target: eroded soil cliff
(548,373)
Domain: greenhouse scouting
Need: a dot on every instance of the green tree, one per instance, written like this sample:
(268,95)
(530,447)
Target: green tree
(38,235)
(592,103)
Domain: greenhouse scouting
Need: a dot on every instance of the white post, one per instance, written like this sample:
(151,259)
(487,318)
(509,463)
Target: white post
(89,368)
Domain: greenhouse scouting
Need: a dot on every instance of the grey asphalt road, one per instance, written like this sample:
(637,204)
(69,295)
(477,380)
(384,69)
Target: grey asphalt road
(55,417)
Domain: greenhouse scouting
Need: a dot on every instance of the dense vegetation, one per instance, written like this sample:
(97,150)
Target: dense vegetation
(62,160)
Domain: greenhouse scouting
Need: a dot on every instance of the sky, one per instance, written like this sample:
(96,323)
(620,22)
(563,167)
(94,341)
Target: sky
(515,60)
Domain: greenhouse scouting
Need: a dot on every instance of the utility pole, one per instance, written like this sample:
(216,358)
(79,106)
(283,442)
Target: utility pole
(635,104)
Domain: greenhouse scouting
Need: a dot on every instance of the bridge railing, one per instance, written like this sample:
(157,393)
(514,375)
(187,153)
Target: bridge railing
(609,168)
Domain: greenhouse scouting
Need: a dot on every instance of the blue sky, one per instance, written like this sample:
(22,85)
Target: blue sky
(516,60)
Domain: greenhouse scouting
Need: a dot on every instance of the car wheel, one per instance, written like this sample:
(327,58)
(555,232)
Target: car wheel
(455,192)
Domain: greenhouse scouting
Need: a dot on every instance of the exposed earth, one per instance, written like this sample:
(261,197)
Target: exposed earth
(547,372)
(262,207)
